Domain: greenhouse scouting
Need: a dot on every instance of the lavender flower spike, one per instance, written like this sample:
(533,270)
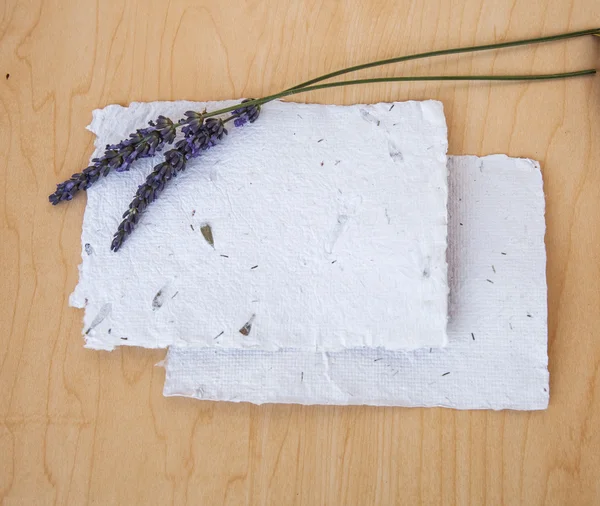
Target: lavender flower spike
(246,114)
(144,143)
(198,138)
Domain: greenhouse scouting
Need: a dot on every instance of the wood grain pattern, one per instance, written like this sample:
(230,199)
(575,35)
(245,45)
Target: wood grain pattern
(82,427)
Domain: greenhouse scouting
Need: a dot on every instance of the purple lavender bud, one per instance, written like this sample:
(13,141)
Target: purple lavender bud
(194,142)
(246,114)
(239,122)
(144,143)
(192,123)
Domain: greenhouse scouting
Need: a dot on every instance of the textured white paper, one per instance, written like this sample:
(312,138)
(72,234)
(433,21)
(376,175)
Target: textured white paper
(329,228)
(497,352)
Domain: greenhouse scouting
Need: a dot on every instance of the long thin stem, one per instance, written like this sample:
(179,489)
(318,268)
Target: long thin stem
(444,52)
(293,91)
(417,56)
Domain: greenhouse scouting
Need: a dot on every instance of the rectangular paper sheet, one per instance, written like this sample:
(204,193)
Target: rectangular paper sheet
(329,227)
(497,352)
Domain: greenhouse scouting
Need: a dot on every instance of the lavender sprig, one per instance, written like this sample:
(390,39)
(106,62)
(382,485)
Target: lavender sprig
(199,135)
(202,131)
(144,143)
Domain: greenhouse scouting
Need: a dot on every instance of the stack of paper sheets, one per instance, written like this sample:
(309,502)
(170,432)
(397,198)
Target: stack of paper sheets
(325,279)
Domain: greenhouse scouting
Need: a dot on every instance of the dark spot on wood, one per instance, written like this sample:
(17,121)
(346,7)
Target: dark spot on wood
(7,76)
(158,300)
(252,268)
(192,227)
(175,294)
(490,281)
(88,248)
(224,256)
(446,373)
(502,253)
(473,336)
(378,359)
(207,234)
(320,140)
(391,107)
(219,335)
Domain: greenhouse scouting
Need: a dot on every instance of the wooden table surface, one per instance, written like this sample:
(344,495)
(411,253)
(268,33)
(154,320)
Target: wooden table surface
(84,427)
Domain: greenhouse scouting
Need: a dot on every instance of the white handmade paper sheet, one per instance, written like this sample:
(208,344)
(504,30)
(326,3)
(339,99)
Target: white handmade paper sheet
(497,352)
(329,227)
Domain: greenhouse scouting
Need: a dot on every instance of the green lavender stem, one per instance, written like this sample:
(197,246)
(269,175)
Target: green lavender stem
(306,86)
(457,50)
(294,91)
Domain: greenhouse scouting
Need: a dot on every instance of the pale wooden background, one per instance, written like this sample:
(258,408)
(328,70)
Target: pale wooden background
(82,427)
